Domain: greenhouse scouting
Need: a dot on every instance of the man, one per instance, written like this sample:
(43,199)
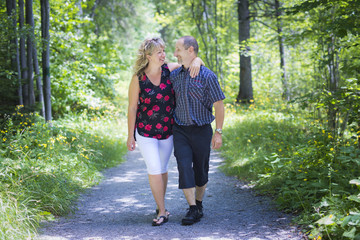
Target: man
(192,131)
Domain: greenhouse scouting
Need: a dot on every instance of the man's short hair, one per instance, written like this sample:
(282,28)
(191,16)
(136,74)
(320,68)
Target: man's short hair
(190,41)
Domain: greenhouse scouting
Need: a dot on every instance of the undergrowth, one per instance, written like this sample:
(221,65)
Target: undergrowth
(311,173)
(43,169)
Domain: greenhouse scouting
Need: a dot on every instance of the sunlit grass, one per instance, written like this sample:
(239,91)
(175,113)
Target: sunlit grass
(254,135)
(284,151)
(43,169)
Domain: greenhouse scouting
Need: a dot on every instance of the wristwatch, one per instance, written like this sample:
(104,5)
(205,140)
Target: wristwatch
(219,130)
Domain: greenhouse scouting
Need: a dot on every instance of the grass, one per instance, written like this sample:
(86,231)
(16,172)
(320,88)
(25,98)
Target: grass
(44,169)
(289,155)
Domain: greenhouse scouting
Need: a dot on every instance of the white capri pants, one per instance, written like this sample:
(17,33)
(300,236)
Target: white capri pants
(155,152)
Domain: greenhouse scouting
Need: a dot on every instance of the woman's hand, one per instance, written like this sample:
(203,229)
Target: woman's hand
(195,67)
(131,143)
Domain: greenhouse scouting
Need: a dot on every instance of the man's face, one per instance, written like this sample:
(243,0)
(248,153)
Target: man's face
(180,52)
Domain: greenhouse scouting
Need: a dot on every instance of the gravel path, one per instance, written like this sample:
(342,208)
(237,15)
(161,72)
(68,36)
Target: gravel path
(122,207)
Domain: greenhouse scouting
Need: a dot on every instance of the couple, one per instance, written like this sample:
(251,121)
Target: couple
(157,125)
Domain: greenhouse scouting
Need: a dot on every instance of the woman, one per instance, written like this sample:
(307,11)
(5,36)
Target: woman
(150,116)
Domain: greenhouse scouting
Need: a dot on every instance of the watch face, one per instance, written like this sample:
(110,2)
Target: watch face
(218,130)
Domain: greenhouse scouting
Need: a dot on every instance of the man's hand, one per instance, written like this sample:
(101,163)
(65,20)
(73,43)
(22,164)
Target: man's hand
(195,67)
(216,141)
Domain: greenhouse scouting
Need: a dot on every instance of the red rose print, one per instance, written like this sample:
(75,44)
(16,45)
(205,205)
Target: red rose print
(148,127)
(149,113)
(144,109)
(147,100)
(141,125)
(147,90)
(146,135)
(166,97)
(168,108)
(158,126)
(141,99)
(162,86)
(158,136)
(144,78)
(165,128)
(172,121)
(159,96)
(168,81)
(156,108)
(166,119)
(138,114)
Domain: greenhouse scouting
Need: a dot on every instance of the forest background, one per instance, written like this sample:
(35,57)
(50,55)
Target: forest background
(289,70)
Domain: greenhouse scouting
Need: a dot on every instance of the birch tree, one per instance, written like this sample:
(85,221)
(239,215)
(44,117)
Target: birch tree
(45,23)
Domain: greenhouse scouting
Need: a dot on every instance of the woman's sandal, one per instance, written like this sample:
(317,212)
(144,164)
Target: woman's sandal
(167,212)
(164,220)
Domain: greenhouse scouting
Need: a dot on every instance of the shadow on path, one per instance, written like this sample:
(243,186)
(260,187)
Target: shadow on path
(122,207)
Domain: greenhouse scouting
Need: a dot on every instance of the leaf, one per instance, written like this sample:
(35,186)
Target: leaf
(355,181)
(350,234)
(327,220)
(354,198)
(346,221)
(45,213)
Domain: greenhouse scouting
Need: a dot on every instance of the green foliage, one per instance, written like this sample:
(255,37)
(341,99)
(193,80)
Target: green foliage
(288,154)
(250,138)
(43,170)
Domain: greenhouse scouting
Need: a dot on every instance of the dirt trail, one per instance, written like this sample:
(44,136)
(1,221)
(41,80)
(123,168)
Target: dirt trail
(122,207)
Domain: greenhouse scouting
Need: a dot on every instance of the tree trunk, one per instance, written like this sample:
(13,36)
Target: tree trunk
(245,94)
(39,86)
(45,22)
(333,82)
(284,79)
(23,64)
(30,37)
(15,60)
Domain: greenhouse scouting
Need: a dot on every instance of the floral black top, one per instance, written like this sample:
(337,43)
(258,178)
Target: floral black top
(154,116)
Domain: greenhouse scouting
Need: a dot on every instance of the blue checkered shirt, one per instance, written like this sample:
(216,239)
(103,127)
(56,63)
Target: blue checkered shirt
(194,97)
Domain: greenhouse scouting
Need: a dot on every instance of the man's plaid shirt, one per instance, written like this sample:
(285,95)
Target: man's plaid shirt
(194,97)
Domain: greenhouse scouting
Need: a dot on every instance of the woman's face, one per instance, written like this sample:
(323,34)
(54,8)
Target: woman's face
(158,56)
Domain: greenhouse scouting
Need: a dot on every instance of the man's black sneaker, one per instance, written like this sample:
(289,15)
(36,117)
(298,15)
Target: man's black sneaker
(191,217)
(201,213)
(200,208)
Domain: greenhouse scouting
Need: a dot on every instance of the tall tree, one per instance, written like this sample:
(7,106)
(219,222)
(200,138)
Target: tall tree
(269,14)
(45,24)
(15,60)
(29,45)
(284,78)
(39,85)
(245,88)
(23,61)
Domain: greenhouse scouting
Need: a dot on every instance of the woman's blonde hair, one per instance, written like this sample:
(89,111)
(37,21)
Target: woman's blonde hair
(146,48)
